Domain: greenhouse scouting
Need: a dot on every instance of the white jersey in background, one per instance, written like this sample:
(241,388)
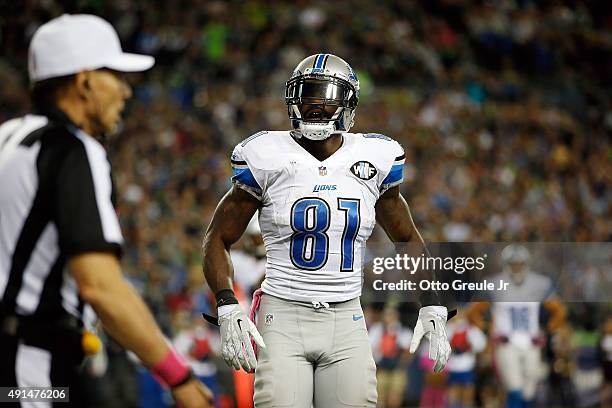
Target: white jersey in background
(520,320)
(516,326)
(316,215)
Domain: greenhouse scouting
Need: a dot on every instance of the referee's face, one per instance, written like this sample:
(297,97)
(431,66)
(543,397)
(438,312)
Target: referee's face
(109,91)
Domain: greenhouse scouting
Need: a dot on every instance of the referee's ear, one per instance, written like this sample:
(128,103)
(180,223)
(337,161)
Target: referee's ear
(82,85)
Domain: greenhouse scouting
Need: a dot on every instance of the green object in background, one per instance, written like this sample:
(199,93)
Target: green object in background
(366,84)
(257,15)
(97,5)
(215,35)
(584,338)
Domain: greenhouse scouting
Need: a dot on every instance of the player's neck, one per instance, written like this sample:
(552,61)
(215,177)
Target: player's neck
(322,149)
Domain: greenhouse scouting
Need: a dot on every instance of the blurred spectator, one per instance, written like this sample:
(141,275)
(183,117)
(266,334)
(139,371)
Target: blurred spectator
(466,341)
(587,376)
(434,393)
(390,344)
(606,348)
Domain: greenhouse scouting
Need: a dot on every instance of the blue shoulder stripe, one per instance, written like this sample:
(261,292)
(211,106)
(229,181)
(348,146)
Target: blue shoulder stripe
(245,176)
(395,175)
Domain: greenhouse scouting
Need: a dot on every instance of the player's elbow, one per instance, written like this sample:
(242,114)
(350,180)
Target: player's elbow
(214,240)
(211,237)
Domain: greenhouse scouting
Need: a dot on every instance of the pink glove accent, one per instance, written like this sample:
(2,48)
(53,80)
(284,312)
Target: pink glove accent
(171,370)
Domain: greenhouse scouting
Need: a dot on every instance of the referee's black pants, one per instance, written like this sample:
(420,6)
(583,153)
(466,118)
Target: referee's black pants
(45,361)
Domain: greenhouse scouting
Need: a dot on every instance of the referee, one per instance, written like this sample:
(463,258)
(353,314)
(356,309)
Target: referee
(59,235)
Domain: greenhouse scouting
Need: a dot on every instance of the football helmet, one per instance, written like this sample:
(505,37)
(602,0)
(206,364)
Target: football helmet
(321,97)
(516,258)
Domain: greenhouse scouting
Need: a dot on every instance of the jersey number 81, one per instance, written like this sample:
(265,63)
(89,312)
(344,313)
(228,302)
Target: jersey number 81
(310,220)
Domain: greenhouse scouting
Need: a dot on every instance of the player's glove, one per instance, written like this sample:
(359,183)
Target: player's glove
(236,332)
(432,324)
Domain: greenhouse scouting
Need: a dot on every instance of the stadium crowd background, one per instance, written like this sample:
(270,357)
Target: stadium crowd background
(504,109)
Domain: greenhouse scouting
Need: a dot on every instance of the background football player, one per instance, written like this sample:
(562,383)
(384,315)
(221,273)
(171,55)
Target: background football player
(319,191)
(516,324)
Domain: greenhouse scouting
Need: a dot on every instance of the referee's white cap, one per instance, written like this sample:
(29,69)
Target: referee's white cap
(79,42)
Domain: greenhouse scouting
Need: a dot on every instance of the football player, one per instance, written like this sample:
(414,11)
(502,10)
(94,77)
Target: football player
(319,191)
(516,324)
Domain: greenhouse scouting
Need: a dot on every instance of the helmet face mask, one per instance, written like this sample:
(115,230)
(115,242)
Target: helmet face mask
(321,97)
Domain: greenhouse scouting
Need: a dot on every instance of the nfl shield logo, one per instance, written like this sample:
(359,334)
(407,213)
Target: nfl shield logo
(269,319)
(322,171)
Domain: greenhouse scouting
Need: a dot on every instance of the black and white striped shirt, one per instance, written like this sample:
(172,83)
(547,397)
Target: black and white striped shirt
(56,200)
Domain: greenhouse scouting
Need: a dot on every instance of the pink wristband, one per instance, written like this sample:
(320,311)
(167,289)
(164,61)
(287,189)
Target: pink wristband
(171,370)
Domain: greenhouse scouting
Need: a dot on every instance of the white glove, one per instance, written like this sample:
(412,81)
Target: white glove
(432,324)
(236,332)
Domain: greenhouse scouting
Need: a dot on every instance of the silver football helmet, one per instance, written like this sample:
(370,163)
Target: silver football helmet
(321,97)
(515,258)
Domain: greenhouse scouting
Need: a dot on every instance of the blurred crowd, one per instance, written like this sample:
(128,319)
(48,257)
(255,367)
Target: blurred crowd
(504,108)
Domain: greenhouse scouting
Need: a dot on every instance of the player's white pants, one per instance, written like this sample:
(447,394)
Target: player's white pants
(313,356)
(519,368)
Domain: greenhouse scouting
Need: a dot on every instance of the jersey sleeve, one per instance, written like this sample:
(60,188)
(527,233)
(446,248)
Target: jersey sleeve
(548,290)
(243,175)
(85,214)
(395,175)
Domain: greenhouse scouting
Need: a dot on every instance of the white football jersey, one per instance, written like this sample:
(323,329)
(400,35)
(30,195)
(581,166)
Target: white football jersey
(516,312)
(316,215)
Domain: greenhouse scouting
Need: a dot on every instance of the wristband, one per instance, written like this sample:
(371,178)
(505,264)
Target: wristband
(172,370)
(225,297)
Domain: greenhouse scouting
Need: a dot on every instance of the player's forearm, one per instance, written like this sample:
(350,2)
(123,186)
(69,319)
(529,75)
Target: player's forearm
(231,218)
(216,263)
(394,216)
(128,320)
(412,235)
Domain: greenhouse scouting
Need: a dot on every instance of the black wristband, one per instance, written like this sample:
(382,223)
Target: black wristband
(226,297)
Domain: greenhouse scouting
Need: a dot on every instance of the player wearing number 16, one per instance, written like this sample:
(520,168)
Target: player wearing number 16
(319,190)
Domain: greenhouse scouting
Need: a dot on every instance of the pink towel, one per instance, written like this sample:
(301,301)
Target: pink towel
(255,304)
(253,312)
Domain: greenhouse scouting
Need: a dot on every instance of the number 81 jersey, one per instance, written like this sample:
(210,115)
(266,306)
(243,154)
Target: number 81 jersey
(316,216)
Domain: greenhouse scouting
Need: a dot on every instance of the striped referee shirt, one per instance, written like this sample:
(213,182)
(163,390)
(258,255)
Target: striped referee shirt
(56,200)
